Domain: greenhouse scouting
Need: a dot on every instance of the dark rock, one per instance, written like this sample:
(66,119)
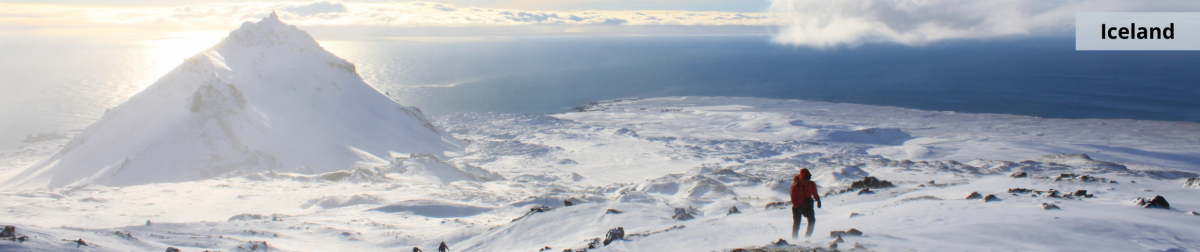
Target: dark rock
(1194,213)
(540,209)
(244,217)
(174,249)
(1192,182)
(733,210)
(854,232)
(778,205)
(1157,202)
(1081,193)
(1132,182)
(127,236)
(594,243)
(533,210)
(974,195)
(833,245)
(613,211)
(989,198)
(838,240)
(852,215)
(148,223)
(1019,175)
(614,235)
(865,191)
(9,232)
(568,203)
(685,213)
(1049,206)
(1019,190)
(79,242)
(871,182)
(836,233)
(1076,177)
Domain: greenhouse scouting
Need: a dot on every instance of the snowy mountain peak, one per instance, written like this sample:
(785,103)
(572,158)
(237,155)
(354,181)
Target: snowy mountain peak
(267,97)
(270,32)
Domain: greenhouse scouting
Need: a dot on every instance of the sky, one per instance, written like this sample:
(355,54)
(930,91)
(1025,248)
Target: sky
(811,23)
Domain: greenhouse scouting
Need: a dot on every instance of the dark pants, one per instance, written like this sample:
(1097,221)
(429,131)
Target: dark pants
(807,212)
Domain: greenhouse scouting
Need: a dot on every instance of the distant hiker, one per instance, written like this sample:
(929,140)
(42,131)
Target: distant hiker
(443,247)
(804,192)
(613,235)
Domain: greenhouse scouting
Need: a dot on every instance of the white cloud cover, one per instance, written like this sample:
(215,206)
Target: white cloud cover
(832,23)
(335,13)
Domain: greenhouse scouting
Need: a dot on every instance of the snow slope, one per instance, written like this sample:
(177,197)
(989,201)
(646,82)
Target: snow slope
(266,98)
(646,158)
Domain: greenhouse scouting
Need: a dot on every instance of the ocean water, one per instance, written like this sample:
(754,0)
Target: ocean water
(66,85)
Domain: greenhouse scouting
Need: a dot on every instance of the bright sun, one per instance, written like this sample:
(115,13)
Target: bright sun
(167,52)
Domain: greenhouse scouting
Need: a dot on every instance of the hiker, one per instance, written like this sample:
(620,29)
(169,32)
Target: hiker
(804,192)
(443,247)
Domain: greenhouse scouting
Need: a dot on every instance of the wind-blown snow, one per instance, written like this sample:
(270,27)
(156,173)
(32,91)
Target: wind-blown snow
(532,182)
(266,98)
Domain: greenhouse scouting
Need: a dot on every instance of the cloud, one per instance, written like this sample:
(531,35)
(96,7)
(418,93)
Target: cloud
(336,13)
(315,7)
(832,23)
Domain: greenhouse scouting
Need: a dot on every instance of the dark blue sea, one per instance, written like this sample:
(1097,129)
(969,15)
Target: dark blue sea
(66,85)
(1042,77)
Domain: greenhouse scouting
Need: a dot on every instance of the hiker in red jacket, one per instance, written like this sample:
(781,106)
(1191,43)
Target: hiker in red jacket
(804,192)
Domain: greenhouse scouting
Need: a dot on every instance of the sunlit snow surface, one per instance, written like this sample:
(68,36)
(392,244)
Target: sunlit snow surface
(647,157)
(268,97)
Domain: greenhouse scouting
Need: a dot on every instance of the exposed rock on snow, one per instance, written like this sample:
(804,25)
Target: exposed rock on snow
(778,205)
(974,195)
(1157,202)
(733,210)
(9,231)
(850,232)
(1020,174)
(1049,206)
(989,198)
(534,210)
(246,217)
(683,214)
(863,186)
(1192,182)
(267,97)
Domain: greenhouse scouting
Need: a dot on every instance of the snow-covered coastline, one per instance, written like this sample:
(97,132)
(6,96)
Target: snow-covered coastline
(241,150)
(706,153)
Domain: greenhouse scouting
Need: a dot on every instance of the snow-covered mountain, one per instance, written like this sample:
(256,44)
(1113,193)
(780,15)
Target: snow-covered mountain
(267,97)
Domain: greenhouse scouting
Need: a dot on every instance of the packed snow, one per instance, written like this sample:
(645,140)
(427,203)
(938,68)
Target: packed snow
(675,173)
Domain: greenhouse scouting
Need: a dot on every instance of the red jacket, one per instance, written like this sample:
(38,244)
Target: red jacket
(803,190)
